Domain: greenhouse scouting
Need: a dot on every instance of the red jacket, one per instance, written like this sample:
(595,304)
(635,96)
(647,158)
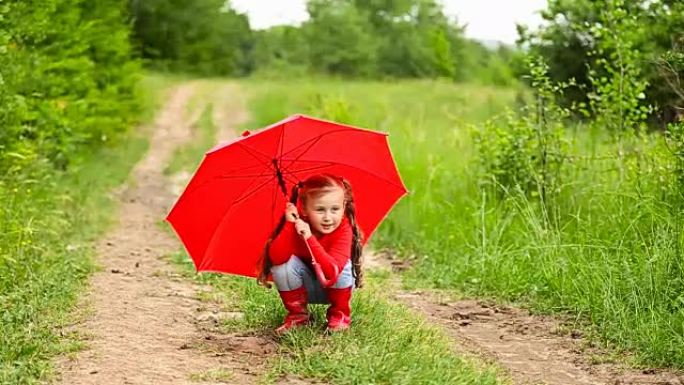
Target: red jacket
(331,252)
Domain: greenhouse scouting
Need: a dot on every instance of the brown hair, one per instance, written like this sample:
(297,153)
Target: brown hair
(303,190)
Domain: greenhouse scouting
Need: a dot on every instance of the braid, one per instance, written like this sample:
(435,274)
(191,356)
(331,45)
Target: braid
(356,248)
(264,263)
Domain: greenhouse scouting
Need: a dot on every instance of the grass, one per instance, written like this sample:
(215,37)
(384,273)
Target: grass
(607,252)
(187,158)
(213,375)
(49,221)
(386,345)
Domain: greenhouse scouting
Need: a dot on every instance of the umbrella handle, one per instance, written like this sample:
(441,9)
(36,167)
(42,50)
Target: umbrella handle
(295,216)
(317,269)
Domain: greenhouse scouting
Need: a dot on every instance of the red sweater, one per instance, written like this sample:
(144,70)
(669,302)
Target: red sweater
(329,251)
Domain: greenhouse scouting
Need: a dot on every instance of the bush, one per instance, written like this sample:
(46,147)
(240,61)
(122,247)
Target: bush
(67,79)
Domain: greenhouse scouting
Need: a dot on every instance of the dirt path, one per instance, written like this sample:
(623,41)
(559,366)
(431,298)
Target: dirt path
(532,349)
(146,325)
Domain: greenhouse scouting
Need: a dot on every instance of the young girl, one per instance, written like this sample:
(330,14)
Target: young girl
(315,257)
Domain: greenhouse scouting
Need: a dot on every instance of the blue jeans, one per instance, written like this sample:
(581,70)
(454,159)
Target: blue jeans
(294,273)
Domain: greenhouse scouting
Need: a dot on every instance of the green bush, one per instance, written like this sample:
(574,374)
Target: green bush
(68,93)
(67,80)
(526,152)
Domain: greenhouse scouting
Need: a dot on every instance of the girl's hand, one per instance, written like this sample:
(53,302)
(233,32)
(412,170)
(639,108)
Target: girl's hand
(303,229)
(291,213)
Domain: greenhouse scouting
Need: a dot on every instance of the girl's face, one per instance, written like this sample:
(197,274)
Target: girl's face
(325,210)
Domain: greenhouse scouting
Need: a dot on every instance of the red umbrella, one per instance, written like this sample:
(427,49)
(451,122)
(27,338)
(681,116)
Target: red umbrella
(238,194)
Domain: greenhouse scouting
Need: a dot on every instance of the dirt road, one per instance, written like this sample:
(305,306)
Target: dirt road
(143,323)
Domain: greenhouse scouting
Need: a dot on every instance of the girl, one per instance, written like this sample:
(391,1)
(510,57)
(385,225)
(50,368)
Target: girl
(315,257)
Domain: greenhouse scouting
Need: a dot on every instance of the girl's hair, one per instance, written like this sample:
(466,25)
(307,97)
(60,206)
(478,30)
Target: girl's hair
(316,185)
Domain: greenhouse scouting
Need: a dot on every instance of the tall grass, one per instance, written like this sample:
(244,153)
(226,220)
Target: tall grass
(606,250)
(48,222)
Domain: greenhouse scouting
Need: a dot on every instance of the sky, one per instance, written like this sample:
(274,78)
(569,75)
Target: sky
(486,20)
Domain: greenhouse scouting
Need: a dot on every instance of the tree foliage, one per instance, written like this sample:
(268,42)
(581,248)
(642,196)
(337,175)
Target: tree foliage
(398,38)
(280,49)
(206,37)
(569,42)
(340,38)
(407,38)
(66,79)
(526,151)
(352,38)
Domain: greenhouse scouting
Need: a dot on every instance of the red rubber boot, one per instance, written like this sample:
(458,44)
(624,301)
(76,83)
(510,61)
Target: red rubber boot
(339,312)
(295,302)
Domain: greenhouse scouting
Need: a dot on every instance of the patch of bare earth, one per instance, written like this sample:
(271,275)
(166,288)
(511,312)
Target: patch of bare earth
(533,349)
(146,324)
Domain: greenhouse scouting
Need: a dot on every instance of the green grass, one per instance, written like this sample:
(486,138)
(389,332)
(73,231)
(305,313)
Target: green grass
(187,158)
(48,223)
(609,254)
(386,344)
(213,375)
(153,87)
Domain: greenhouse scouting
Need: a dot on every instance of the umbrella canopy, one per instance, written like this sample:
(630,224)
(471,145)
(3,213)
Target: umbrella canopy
(238,194)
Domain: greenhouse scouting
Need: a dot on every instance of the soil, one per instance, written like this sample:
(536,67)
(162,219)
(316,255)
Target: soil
(533,349)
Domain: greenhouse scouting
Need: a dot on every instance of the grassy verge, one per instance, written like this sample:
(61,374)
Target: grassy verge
(48,222)
(607,251)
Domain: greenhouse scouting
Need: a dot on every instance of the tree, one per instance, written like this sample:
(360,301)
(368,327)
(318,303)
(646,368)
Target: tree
(340,38)
(403,38)
(67,80)
(566,42)
(280,47)
(204,36)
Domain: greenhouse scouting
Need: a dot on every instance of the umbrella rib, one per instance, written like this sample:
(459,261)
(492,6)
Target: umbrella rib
(307,169)
(254,191)
(273,202)
(282,144)
(230,206)
(361,169)
(286,168)
(264,173)
(317,137)
(252,152)
(226,176)
(290,180)
(287,179)
(313,141)
(229,172)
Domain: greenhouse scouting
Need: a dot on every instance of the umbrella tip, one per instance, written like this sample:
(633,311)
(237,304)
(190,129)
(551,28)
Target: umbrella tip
(246,133)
